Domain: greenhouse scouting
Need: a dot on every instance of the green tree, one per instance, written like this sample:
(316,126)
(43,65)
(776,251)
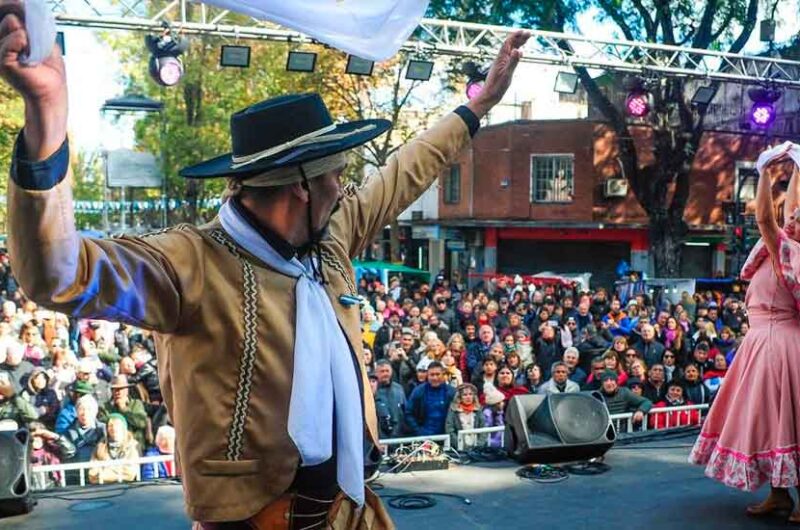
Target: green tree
(88,184)
(194,124)
(11,119)
(661,187)
(385,95)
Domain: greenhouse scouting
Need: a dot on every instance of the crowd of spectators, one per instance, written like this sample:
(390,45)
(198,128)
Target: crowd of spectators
(444,359)
(87,390)
(441,359)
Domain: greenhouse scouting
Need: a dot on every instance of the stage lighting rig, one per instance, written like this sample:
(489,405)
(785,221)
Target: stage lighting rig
(763,112)
(476,75)
(638,103)
(165,66)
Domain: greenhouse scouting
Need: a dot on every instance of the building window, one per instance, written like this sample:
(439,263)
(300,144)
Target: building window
(747,179)
(452,185)
(552,178)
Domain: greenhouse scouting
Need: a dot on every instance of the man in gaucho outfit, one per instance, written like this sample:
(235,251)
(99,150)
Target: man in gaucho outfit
(255,314)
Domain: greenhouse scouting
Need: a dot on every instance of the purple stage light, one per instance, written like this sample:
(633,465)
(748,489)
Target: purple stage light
(474,88)
(637,105)
(762,114)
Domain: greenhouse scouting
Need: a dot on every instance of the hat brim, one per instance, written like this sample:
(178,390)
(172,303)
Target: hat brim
(222,166)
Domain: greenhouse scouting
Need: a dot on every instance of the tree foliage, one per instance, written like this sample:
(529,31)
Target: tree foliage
(662,186)
(194,125)
(11,119)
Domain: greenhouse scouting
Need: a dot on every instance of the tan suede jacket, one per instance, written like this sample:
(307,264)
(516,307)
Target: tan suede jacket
(223,320)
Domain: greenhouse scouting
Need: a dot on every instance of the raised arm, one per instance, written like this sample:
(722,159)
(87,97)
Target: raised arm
(416,165)
(792,200)
(128,279)
(765,213)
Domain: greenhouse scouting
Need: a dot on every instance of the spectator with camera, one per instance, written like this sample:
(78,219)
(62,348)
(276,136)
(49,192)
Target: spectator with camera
(404,358)
(391,393)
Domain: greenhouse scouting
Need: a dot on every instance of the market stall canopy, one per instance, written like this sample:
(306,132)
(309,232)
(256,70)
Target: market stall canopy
(389,267)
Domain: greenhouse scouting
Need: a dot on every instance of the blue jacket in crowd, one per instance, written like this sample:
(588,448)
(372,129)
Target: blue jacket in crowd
(426,410)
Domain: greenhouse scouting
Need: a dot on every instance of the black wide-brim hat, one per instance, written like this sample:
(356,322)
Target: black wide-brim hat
(284,131)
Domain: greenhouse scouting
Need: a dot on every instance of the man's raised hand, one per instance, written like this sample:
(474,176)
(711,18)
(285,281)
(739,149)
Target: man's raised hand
(43,87)
(500,74)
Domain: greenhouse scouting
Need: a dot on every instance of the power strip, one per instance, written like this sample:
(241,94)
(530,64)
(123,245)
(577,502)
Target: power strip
(423,463)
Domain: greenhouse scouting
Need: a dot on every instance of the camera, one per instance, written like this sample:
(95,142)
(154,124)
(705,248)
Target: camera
(386,424)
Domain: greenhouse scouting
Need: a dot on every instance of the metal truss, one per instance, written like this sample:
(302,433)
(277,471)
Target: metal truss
(450,38)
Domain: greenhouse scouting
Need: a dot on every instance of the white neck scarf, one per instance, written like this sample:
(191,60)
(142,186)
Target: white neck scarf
(324,376)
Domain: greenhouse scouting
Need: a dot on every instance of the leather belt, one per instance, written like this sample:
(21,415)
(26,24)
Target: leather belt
(295,511)
(291,511)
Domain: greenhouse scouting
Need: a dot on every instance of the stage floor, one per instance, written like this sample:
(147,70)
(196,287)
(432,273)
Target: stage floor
(645,488)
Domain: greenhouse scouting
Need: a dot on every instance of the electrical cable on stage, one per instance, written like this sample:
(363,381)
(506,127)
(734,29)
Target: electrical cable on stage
(477,454)
(419,501)
(590,467)
(542,473)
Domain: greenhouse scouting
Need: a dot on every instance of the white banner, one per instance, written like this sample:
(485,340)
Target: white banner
(131,169)
(370,29)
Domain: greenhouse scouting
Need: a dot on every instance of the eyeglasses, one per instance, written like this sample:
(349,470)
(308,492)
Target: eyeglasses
(669,356)
(630,355)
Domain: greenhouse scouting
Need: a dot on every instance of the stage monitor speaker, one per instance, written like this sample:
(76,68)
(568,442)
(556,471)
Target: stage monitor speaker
(553,428)
(15,472)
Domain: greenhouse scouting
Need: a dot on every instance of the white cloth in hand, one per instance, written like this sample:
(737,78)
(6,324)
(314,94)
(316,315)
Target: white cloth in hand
(41,28)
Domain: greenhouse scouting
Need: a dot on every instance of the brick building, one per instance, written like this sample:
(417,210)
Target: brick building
(532,196)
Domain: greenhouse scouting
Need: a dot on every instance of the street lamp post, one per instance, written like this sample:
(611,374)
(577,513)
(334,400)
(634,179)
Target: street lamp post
(141,104)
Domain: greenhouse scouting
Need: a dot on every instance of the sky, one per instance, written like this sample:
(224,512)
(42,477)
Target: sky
(93,76)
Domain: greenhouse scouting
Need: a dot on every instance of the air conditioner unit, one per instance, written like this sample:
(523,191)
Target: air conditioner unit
(615,188)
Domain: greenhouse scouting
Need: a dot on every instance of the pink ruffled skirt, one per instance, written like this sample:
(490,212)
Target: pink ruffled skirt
(751,434)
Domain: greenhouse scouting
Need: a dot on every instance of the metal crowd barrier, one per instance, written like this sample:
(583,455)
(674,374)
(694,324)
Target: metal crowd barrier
(622,422)
(617,419)
(626,419)
(83,467)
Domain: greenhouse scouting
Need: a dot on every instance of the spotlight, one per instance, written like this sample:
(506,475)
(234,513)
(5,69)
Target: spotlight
(165,67)
(704,95)
(358,66)
(566,83)
(762,113)
(236,56)
(476,75)
(419,70)
(301,62)
(637,104)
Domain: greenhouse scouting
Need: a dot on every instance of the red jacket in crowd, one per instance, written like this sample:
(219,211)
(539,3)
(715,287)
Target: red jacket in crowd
(677,418)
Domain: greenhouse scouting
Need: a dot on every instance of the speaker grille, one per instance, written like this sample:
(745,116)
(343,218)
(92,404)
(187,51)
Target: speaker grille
(579,420)
(13,462)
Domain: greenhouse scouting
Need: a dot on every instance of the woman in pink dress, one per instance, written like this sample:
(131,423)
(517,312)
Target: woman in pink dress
(752,432)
